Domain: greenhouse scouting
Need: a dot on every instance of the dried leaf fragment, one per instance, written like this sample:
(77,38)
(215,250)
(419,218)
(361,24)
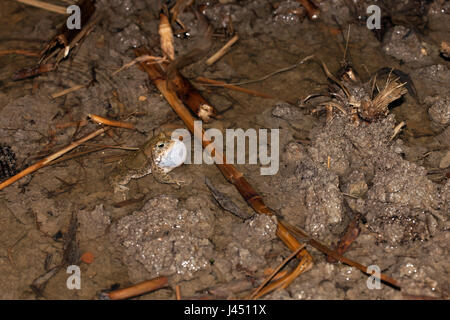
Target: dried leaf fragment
(166,34)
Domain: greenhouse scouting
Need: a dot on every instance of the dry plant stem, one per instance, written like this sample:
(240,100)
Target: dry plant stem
(33,71)
(78,38)
(332,77)
(18,51)
(352,232)
(422,297)
(166,36)
(178,292)
(76,124)
(272,275)
(397,130)
(108,146)
(267,76)
(193,98)
(45,6)
(67,91)
(233,87)
(183,87)
(279,275)
(111,123)
(313,11)
(76,155)
(179,7)
(95,149)
(60,45)
(50,158)
(213,59)
(138,289)
(67,38)
(304,265)
(140,59)
(324,249)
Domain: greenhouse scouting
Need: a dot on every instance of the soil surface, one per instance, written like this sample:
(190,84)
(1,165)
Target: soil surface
(332,168)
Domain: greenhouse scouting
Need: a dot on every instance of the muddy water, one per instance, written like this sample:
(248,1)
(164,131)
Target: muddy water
(328,171)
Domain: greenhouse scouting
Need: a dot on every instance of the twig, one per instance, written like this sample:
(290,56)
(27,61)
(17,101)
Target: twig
(77,124)
(178,292)
(179,7)
(280,274)
(277,269)
(421,297)
(95,149)
(66,39)
(351,233)
(211,60)
(50,158)
(267,76)
(67,91)
(108,146)
(184,89)
(137,290)
(18,51)
(45,6)
(140,59)
(166,36)
(311,9)
(233,87)
(324,249)
(33,71)
(111,123)
(75,155)
(397,130)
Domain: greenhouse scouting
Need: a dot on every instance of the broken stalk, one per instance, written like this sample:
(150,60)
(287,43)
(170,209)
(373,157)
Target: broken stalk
(229,171)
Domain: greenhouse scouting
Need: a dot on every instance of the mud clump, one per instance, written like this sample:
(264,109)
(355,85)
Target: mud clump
(130,37)
(436,78)
(404,44)
(289,12)
(439,110)
(359,166)
(250,242)
(165,238)
(424,271)
(399,202)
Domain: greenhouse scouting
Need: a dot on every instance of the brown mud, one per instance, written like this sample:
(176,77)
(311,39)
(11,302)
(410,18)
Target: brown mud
(328,173)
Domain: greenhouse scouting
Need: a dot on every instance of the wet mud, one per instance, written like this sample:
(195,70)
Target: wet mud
(331,168)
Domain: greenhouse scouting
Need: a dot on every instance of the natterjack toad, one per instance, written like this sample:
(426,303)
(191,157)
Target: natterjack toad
(158,156)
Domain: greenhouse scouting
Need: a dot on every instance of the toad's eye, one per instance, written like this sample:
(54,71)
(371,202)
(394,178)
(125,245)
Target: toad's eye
(161,145)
